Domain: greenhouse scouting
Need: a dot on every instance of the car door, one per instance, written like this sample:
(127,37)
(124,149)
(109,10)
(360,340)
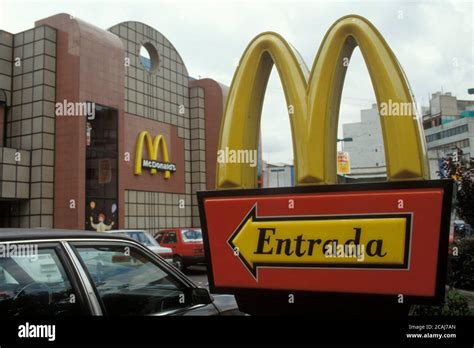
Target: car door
(37,279)
(129,280)
(171,241)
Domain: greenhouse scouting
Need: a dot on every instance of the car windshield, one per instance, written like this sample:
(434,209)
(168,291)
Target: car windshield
(141,237)
(191,235)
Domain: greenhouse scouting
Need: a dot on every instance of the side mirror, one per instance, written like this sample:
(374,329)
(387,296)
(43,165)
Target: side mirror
(201,296)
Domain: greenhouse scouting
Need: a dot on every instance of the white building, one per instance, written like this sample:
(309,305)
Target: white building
(366,151)
(278,175)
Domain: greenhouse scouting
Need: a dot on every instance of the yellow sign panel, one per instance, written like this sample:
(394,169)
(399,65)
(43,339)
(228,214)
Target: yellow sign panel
(343,163)
(345,241)
(313,100)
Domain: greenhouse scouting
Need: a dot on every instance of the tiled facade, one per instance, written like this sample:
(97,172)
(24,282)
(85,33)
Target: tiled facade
(14,173)
(64,58)
(198,148)
(161,96)
(28,76)
(152,211)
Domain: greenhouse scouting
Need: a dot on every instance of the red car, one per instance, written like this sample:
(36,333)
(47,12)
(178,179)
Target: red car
(186,243)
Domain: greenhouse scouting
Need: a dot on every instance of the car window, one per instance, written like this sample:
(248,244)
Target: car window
(170,238)
(191,235)
(159,237)
(150,240)
(130,283)
(35,283)
(142,237)
(138,236)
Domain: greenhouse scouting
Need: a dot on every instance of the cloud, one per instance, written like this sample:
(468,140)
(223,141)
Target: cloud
(433,41)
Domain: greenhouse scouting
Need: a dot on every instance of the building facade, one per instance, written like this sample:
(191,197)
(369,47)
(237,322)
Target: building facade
(278,175)
(366,150)
(93,133)
(448,126)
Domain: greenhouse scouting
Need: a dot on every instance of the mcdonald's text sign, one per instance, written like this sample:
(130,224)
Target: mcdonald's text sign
(152,162)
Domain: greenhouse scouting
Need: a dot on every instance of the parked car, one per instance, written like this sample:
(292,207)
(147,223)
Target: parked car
(186,243)
(147,240)
(92,273)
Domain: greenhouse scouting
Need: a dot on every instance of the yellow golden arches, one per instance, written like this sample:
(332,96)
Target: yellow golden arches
(314,105)
(153,148)
(404,145)
(241,122)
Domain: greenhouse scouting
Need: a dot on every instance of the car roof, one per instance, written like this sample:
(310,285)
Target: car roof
(179,229)
(13,234)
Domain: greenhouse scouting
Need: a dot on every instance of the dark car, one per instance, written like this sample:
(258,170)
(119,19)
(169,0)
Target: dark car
(67,272)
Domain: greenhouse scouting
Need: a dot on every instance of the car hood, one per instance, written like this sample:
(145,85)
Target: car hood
(159,249)
(226,305)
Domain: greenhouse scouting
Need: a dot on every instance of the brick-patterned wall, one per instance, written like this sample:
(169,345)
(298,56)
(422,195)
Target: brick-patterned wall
(153,211)
(30,123)
(198,148)
(14,173)
(162,96)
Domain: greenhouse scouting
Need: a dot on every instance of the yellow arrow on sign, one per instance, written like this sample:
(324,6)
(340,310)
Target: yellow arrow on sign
(341,241)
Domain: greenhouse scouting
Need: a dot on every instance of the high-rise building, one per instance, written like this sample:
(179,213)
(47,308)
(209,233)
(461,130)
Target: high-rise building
(366,151)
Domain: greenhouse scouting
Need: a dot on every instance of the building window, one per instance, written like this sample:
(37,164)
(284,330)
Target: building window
(101,170)
(447,133)
(149,57)
(451,146)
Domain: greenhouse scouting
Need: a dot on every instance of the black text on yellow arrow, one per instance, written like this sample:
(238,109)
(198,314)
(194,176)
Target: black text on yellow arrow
(330,241)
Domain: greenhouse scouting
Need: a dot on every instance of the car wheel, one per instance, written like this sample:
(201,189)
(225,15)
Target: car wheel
(179,263)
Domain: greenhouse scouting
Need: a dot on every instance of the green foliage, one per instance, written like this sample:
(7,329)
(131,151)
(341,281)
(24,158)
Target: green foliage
(462,173)
(461,267)
(465,196)
(455,304)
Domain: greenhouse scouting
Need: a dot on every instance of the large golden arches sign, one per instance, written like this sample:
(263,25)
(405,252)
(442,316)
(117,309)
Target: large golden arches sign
(153,148)
(313,102)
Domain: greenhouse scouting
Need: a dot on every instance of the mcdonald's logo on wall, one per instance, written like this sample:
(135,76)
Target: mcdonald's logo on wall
(383,239)
(152,162)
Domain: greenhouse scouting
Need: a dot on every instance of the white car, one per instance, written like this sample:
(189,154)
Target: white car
(146,239)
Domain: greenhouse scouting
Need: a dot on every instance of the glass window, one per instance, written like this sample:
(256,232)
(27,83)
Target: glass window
(141,237)
(102,170)
(129,283)
(191,235)
(170,238)
(35,284)
(159,237)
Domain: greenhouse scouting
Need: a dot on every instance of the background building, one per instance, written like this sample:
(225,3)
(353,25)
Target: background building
(67,170)
(366,150)
(448,125)
(278,175)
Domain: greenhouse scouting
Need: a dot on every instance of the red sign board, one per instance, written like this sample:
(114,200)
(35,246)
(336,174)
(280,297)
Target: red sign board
(379,239)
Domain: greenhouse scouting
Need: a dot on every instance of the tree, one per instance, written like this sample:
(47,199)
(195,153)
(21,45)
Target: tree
(465,195)
(462,172)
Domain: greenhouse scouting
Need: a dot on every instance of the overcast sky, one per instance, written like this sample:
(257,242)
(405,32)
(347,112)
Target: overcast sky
(433,40)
